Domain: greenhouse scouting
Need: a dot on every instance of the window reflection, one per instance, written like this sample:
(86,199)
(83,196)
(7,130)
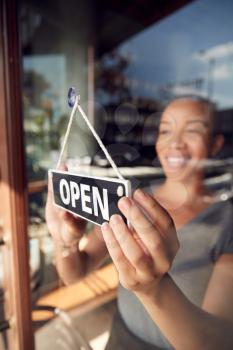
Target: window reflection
(44,111)
(185,53)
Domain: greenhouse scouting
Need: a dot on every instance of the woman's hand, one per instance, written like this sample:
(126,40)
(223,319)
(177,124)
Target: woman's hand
(65,228)
(144,253)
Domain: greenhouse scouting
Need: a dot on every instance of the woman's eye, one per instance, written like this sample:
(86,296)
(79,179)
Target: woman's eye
(194,131)
(164,132)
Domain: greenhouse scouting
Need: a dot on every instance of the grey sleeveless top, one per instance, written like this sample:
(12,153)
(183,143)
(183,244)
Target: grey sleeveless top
(202,241)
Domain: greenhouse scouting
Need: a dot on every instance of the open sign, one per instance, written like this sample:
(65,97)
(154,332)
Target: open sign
(92,198)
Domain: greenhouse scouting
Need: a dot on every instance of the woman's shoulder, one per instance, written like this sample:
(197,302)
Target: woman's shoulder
(223,211)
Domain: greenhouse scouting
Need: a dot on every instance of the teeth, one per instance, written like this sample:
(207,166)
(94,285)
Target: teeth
(177,161)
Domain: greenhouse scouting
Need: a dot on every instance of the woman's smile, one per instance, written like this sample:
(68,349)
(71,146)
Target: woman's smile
(176,162)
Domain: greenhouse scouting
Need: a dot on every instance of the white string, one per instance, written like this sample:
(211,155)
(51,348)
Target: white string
(104,149)
(109,158)
(67,132)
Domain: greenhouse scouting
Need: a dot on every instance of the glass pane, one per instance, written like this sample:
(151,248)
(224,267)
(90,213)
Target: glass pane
(44,110)
(128,63)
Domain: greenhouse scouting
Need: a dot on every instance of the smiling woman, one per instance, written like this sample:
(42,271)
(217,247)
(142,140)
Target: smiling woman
(177,214)
(186,137)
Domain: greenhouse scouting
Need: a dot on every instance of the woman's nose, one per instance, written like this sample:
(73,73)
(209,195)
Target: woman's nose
(177,141)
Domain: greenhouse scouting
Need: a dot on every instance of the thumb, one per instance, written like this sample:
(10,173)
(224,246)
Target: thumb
(62,167)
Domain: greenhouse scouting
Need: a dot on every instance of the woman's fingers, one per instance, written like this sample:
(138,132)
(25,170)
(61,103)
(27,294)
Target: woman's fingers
(130,277)
(156,212)
(50,191)
(157,216)
(114,248)
(161,219)
(129,245)
(62,167)
(148,233)
(62,224)
(72,221)
(140,223)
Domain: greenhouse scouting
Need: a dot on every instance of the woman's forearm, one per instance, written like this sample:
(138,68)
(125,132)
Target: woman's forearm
(185,325)
(72,267)
(78,261)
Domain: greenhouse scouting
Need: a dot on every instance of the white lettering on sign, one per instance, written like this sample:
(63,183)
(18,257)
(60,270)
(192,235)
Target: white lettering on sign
(73,192)
(85,198)
(103,206)
(64,196)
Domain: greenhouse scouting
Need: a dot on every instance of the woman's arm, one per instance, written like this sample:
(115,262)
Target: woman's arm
(187,326)
(87,255)
(143,256)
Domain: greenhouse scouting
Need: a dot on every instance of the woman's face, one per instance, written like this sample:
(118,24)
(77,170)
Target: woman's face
(184,138)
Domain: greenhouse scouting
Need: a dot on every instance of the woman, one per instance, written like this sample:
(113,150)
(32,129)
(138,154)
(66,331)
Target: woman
(191,306)
(201,318)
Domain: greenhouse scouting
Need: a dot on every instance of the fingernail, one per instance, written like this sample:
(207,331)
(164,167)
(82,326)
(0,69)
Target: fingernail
(105,226)
(125,203)
(140,194)
(115,219)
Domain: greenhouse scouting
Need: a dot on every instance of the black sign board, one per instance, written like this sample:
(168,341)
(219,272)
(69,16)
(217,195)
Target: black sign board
(92,198)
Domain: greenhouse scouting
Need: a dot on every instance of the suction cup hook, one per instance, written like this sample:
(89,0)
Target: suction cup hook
(72,95)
